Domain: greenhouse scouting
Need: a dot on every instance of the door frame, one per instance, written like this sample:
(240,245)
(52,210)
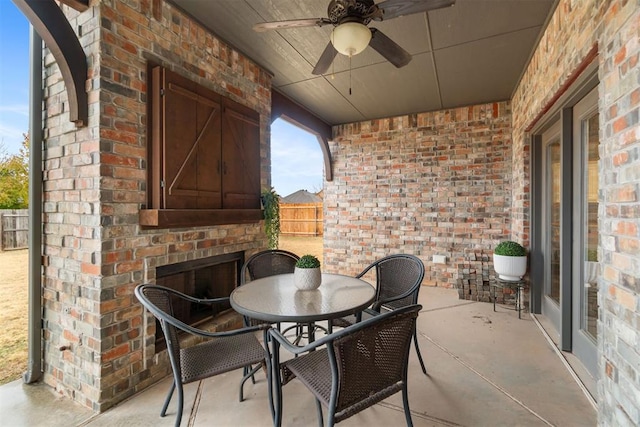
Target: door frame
(558,312)
(583,345)
(562,111)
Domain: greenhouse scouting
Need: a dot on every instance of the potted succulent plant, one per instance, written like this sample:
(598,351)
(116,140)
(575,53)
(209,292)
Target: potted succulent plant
(307,275)
(510,260)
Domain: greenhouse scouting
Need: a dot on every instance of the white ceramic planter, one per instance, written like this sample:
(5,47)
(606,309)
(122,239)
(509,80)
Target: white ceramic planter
(510,268)
(307,279)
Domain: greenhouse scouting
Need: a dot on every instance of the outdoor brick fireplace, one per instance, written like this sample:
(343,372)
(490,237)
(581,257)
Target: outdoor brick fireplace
(211,277)
(96,183)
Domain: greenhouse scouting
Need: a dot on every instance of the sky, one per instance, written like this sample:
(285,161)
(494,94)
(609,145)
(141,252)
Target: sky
(296,157)
(14,76)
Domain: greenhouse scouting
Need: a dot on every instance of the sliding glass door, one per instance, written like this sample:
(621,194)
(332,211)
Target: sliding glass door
(567,185)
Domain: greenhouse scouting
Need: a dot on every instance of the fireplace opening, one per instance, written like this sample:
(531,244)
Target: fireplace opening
(211,277)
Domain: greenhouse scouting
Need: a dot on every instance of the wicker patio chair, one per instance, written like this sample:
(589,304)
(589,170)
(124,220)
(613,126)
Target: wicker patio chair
(358,366)
(264,264)
(219,352)
(398,281)
(268,263)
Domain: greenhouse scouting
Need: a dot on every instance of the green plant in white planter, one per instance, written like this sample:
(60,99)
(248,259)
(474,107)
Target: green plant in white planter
(510,260)
(307,275)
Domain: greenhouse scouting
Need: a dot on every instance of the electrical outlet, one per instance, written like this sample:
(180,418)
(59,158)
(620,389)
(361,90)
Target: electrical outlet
(439,259)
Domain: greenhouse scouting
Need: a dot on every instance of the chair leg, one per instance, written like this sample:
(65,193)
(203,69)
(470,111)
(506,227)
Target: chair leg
(245,372)
(275,382)
(247,369)
(405,402)
(180,405)
(319,409)
(168,399)
(251,372)
(415,342)
(265,334)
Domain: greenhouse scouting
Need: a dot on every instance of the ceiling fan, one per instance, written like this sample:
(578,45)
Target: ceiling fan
(351,34)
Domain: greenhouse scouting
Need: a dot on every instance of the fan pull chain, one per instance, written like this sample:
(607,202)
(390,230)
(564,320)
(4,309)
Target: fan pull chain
(349,75)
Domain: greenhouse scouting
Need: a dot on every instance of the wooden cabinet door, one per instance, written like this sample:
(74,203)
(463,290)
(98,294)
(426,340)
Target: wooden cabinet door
(191,163)
(240,157)
(204,155)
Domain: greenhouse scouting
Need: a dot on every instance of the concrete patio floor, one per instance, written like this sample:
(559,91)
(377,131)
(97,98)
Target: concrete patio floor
(485,369)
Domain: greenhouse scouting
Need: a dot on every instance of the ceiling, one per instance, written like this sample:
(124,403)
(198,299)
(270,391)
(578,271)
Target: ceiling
(471,53)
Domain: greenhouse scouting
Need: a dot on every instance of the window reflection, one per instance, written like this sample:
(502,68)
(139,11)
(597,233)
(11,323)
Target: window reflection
(554,214)
(590,300)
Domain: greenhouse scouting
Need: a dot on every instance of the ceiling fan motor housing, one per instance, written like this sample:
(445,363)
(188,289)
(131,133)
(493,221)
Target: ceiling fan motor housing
(351,34)
(361,11)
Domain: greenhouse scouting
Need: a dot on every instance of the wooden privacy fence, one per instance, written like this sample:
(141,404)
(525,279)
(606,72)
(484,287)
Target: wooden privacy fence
(301,219)
(14,229)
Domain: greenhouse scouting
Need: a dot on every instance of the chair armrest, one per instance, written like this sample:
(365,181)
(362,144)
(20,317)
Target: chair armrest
(164,317)
(194,299)
(202,333)
(207,334)
(208,300)
(284,342)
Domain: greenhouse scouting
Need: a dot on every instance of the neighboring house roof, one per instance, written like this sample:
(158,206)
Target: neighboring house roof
(301,196)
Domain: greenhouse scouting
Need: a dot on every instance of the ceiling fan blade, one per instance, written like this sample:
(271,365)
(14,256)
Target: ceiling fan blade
(389,49)
(395,8)
(292,23)
(325,60)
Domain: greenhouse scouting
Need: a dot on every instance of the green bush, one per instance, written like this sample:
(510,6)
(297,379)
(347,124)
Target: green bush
(308,261)
(509,248)
(14,177)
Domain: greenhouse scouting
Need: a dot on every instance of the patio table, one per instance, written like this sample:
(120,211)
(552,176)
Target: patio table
(276,299)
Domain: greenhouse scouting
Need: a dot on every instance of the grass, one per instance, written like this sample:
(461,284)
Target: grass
(13,314)
(300,245)
(14,302)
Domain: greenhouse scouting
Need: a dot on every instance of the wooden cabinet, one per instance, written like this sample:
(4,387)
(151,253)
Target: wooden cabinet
(204,156)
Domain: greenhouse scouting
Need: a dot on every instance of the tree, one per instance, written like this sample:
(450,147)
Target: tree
(14,177)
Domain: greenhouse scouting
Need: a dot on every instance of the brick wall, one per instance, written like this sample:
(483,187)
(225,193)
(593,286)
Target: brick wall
(428,184)
(95,252)
(620,216)
(614,27)
(71,231)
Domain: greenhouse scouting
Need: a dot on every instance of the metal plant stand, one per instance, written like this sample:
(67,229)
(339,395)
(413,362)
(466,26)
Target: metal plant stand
(502,284)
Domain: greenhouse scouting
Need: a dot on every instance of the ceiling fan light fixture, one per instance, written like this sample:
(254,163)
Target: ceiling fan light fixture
(350,38)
